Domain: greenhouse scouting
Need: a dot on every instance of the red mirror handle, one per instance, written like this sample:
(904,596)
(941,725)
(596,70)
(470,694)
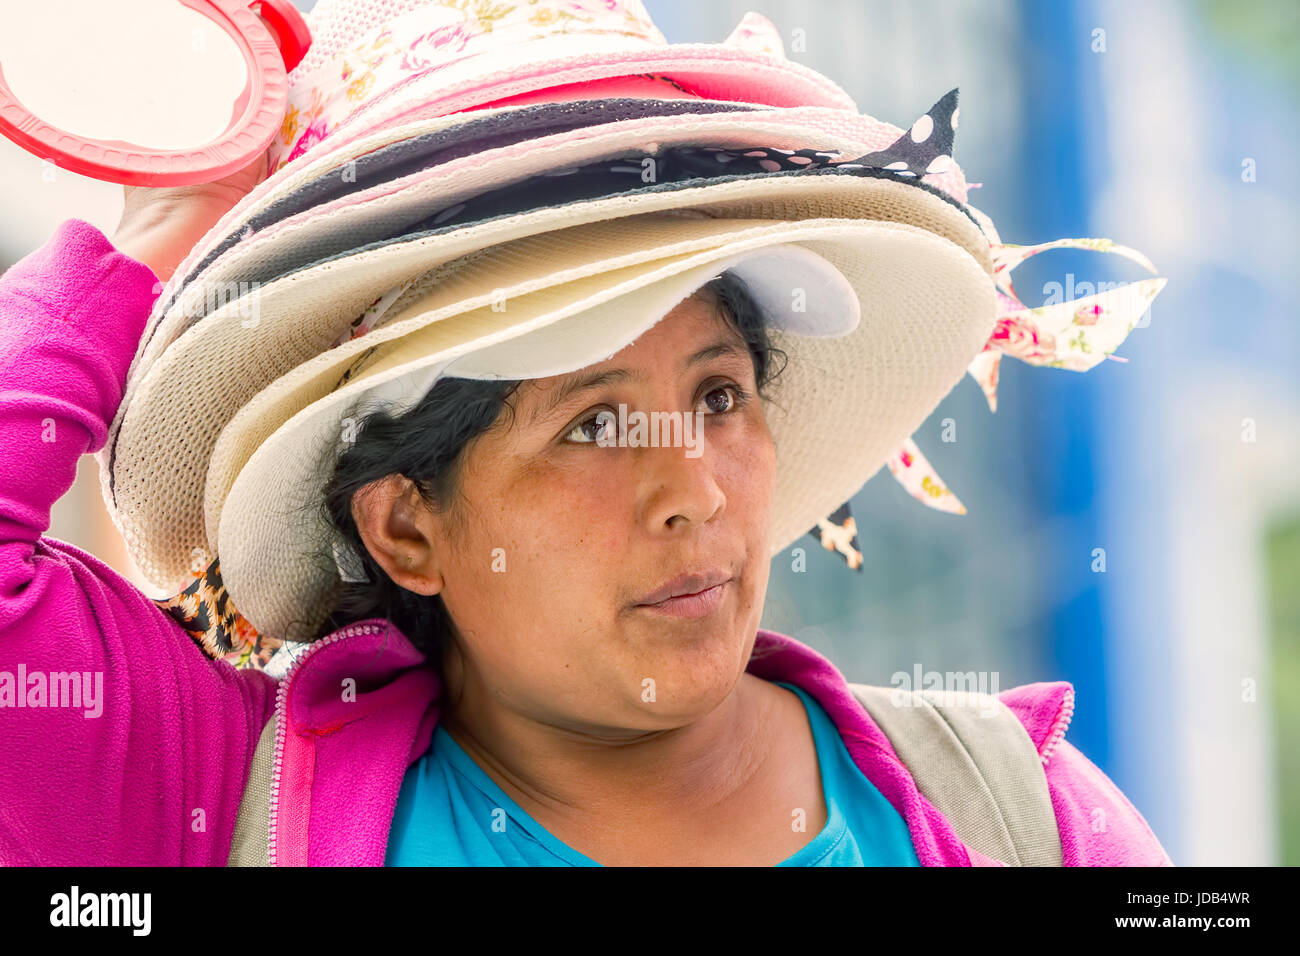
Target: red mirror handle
(291,32)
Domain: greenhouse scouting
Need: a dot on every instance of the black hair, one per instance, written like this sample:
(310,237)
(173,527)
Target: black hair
(425,445)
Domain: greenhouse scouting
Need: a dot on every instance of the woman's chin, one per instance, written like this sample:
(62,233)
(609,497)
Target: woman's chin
(686,665)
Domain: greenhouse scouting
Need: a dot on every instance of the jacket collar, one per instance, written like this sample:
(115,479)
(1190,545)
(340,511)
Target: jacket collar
(359,707)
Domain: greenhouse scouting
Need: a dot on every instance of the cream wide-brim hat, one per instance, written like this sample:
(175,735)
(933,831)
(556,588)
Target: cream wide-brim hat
(216,367)
(841,406)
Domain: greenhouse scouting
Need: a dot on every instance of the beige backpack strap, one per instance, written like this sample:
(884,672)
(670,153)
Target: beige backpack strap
(974,761)
(249,846)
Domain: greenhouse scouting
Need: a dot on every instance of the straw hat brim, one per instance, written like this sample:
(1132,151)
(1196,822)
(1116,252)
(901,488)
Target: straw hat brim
(842,404)
(230,355)
(500,274)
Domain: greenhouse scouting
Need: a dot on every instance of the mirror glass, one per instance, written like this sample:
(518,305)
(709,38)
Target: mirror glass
(152,73)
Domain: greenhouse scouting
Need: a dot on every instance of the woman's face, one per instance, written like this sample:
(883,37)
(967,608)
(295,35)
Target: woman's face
(557,541)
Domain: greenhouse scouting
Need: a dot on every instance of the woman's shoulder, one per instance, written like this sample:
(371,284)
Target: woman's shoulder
(1044,709)
(1099,824)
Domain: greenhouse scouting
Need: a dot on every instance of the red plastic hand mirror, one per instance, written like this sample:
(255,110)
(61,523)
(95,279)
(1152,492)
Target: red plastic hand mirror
(147,92)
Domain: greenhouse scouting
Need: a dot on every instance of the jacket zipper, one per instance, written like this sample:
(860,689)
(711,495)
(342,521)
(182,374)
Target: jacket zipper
(1057,733)
(281,715)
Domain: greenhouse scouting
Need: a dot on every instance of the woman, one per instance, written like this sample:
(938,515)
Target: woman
(548,662)
(587,716)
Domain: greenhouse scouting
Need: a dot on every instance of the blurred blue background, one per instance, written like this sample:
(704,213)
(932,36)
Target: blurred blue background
(1167,126)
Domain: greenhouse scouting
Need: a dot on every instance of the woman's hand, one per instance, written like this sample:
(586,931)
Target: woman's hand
(160,225)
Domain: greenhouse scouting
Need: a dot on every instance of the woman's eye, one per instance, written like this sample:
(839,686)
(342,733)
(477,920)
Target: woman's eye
(727,405)
(591,430)
(603,426)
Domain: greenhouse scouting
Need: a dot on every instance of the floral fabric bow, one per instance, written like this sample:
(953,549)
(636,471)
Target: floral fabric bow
(1077,334)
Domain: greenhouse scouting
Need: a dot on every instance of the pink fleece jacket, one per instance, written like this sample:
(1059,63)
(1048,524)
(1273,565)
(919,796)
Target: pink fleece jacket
(147,761)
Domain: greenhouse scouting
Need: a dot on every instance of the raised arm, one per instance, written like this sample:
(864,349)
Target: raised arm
(120,742)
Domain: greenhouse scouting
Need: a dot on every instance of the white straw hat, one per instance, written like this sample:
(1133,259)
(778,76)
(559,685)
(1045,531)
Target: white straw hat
(925,307)
(197,384)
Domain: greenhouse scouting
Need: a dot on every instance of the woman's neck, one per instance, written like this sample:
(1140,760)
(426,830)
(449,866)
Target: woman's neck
(598,789)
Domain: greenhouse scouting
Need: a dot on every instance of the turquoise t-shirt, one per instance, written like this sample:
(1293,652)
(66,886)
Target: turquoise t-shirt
(447,805)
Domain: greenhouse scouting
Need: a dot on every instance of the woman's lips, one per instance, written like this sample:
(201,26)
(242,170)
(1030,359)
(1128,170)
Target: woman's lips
(699,604)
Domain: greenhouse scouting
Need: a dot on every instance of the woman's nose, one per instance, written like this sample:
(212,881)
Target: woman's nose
(679,487)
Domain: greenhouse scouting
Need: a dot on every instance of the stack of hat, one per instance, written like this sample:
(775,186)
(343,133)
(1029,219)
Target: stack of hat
(438,160)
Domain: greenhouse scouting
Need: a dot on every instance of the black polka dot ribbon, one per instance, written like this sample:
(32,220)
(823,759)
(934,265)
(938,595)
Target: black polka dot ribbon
(925,149)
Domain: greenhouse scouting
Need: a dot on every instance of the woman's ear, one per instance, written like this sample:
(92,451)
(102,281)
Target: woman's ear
(399,530)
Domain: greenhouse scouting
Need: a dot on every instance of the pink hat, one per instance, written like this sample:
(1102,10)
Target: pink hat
(375,62)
